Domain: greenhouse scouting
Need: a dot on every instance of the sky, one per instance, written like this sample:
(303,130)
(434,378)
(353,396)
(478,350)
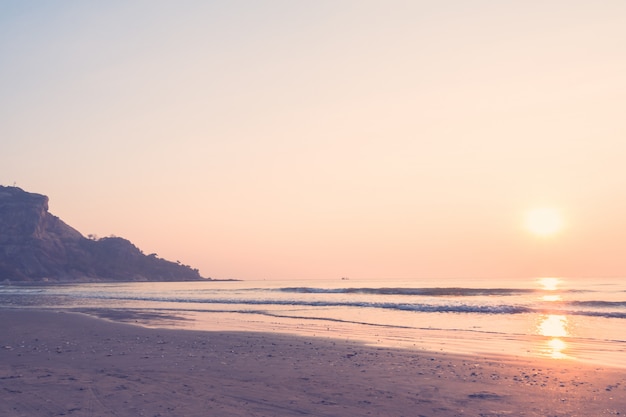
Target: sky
(329,138)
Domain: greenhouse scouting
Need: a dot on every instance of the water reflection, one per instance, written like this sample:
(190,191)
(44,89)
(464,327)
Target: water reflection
(556,347)
(553,326)
(549,284)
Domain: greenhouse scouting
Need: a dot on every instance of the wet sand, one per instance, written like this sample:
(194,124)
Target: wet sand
(59,363)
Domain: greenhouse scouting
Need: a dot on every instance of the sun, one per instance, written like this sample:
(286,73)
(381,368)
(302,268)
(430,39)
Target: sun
(544,221)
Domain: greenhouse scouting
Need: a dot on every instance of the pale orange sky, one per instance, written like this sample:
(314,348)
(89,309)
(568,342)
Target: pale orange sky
(286,139)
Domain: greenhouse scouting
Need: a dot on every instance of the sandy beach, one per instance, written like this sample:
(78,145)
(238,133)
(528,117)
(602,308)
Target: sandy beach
(59,363)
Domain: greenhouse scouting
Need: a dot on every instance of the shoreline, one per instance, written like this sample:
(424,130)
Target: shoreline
(483,325)
(420,339)
(63,363)
(577,351)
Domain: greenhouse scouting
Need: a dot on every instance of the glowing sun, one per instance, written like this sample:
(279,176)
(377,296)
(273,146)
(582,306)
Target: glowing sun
(544,221)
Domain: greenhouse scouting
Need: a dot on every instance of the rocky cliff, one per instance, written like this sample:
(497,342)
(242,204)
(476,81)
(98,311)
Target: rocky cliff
(37,246)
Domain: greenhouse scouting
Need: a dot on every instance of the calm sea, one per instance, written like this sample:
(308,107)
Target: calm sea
(560,318)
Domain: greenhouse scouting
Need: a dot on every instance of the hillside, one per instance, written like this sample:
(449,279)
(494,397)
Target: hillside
(37,246)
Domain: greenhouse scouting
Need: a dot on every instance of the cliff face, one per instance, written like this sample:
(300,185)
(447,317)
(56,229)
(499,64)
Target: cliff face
(37,246)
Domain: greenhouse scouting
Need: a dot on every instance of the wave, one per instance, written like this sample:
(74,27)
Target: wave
(497,309)
(459,308)
(428,291)
(417,307)
(605,314)
(598,303)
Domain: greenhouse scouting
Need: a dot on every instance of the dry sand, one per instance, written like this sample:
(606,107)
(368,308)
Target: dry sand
(55,364)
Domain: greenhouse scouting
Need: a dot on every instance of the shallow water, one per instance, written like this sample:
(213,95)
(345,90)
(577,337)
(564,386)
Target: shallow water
(564,319)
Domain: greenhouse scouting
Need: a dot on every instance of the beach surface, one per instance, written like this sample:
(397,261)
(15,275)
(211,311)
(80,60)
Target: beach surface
(61,363)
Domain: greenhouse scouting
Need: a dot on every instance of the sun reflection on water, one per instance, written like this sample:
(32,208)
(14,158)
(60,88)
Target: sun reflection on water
(553,326)
(556,347)
(549,284)
(551,298)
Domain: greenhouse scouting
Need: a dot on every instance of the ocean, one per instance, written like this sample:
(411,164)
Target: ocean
(558,318)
